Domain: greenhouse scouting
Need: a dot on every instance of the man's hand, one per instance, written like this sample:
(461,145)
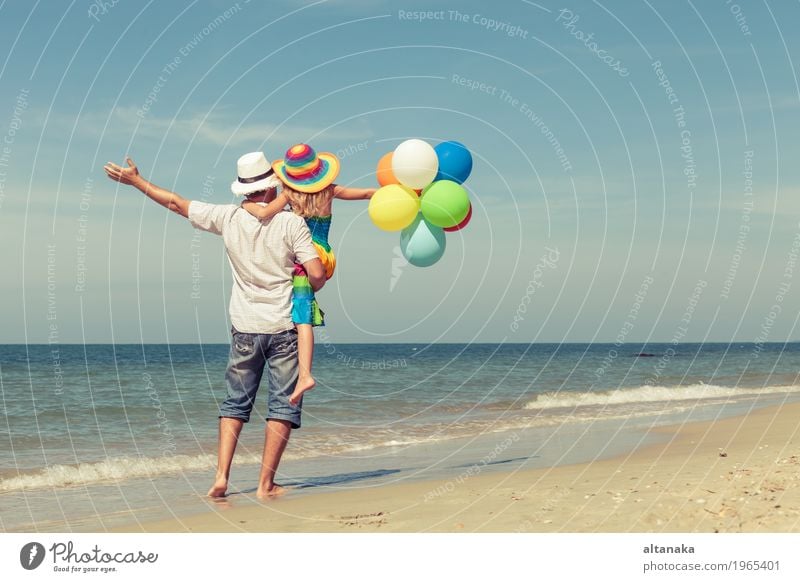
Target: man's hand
(128,175)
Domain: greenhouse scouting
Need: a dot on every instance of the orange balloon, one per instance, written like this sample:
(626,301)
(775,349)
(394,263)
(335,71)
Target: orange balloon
(384,172)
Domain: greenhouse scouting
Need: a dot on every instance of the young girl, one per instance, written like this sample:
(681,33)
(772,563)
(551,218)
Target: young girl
(308,187)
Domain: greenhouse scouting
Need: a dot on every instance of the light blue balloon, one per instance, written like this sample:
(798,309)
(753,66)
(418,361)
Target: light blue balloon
(422,243)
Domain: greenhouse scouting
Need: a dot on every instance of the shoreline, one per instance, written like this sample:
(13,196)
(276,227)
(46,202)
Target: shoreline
(736,474)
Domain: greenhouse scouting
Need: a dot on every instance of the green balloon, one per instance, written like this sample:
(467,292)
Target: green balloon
(445,203)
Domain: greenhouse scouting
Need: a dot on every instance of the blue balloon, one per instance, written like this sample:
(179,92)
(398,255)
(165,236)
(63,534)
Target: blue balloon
(455,162)
(422,243)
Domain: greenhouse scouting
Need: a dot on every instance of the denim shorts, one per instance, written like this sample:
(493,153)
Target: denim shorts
(253,354)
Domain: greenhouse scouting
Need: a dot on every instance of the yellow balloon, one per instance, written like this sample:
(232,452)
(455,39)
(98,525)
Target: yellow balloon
(393,207)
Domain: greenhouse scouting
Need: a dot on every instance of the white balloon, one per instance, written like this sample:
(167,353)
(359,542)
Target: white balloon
(415,163)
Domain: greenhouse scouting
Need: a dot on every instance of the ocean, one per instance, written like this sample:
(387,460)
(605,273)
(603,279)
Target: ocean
(97,436)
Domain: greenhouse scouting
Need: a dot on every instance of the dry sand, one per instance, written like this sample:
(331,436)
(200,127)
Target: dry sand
(734,475)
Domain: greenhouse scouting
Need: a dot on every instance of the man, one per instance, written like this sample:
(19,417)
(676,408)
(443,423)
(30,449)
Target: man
(262,257)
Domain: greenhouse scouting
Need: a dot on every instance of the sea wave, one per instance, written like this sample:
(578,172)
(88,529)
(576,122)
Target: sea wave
(651,394)
(116,469)
(621,404)
(108,470)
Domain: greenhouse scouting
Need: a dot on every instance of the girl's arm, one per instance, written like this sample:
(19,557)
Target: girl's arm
(343,193)
(268,211)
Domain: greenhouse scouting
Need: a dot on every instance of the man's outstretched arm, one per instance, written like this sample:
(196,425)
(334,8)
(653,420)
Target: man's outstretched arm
(131,176)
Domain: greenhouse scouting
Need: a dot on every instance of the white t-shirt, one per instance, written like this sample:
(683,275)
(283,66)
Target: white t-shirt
(262,257)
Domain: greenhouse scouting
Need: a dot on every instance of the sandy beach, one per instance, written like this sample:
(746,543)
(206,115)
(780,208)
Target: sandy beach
(738,474)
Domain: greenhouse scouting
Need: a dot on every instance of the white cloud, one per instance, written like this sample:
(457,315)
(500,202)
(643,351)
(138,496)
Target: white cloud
(760,102)
(763,201)
(215,128)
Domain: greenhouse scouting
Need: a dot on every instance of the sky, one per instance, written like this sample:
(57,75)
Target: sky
(635,175)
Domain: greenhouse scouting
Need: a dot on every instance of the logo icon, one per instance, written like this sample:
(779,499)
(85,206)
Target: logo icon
(31,555)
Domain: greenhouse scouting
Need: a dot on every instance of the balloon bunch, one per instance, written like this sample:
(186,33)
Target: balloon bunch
(421,195)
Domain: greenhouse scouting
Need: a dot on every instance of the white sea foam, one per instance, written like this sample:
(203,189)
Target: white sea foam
(651,394)
(109,470)
(121,468)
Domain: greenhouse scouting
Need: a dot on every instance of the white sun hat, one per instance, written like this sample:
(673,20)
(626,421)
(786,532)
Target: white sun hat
(255,173)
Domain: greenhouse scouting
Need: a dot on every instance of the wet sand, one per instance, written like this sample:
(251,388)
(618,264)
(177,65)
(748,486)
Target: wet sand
(738,474)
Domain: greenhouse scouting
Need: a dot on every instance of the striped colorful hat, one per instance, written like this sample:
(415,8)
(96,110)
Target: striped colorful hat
(305,170)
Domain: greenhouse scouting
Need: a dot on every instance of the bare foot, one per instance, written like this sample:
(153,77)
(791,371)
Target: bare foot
(219,488)
(304,384)
(274,491)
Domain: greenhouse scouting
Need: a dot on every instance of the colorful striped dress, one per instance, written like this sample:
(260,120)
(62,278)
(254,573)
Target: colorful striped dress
(305,309)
